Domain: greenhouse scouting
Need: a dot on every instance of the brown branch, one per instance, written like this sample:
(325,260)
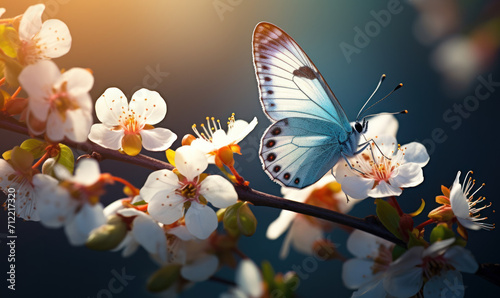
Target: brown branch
(370,224)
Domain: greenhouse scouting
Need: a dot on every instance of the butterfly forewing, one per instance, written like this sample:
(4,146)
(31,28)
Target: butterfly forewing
(290,85)
(311,130)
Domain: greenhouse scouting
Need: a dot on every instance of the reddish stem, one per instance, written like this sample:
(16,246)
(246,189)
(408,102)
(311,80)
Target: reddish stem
(2,80)
(394,202)
(41,160)
(134,189)
(17,92)
(425,223)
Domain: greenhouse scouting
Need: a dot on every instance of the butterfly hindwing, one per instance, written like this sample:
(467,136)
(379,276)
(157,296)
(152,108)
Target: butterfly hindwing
(290,85)
(299,151)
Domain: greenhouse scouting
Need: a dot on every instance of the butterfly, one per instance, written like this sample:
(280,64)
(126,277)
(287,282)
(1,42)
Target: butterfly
(310,131)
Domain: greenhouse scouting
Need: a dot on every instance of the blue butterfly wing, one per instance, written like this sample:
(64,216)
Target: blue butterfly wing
(305,141)
(299,151)
(289,83)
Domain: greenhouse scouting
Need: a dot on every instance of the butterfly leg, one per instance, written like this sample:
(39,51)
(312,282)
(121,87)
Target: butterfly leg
(366,144)
(349,164)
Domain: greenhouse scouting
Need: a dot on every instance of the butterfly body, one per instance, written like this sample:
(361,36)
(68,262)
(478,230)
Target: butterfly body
(310,132)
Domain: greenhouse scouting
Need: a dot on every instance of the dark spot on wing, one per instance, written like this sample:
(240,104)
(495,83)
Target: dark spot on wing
(286,176)
(263,56)
(270,143)
(265,67)
(267,79)
(276,169)
(296,181)
(305,72)
(272,105)
(271,157)
(276,131)
(270,92)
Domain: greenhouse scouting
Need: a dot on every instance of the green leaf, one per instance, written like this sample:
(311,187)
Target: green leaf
(440,233)
(239,219)
(268,273)
(164,278)
(397,252)
(388,216)
(22,160)
(66,158)
(139,203)
(12,69)
(36,147)
(108,236)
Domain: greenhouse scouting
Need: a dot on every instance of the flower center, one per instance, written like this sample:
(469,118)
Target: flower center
(325,197)
(61,102)
(384,258)
(189,191)
(434,266)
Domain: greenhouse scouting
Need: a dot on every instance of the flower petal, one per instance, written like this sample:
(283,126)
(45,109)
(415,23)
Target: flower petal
(88,218)
(384,189)
(447,282)
(407,175)
(416,153)
(405,283)
(201,220)
(110,106)
(241,129)
(182,233)
(356,272)
(166,207)
(55,206)
(382,125)
(113,208)
(31,22)
(387,144)
(461,259)
(365,245)
(77,125)
(372,289)
(280,225)
(353,185)
(201,269)
(106,136)
(218,191)
(157,139)
(159,181)
(78,82)
(54,39)
(304,234)
(438,248)
(87,172)
(150,105)
(55,127)
(37,80)
(249,279)
(458,201)
(150,235)
(190,162)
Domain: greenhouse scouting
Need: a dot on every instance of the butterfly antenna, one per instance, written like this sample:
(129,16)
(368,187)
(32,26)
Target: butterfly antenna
(382,78)
(387,113)
(397,87)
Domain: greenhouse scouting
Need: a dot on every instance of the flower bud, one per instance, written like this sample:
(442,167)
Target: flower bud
(108,236)
(442,213)
(188,139)
(225,154)
(239,219)
(164,278)
(48,167)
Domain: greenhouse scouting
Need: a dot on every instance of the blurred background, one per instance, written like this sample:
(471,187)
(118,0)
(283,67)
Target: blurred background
(198,55)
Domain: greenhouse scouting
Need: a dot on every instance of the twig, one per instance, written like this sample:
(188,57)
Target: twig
(370,224)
